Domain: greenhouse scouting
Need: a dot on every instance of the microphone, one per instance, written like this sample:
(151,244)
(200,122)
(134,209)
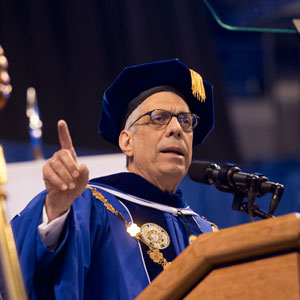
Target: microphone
(230,179)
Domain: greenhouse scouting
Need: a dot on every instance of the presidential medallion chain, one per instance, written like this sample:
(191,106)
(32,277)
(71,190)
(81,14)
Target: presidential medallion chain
(158,257)
(161,240)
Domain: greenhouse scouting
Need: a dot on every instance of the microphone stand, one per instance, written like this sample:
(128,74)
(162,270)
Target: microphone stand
(250,188)
(252,211)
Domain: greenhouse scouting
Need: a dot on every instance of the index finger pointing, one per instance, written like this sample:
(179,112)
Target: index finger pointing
(64,135)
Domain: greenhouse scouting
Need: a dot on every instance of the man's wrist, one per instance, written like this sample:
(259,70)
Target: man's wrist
(53,211)
(51,231)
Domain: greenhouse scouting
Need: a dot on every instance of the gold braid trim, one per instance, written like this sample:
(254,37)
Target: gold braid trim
(198,89)
(100,197)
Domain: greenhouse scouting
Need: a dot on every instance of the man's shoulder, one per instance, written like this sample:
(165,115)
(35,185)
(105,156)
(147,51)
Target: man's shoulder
(210,224)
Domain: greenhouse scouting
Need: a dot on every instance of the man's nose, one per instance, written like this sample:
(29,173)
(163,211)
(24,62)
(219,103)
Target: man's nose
(174,127)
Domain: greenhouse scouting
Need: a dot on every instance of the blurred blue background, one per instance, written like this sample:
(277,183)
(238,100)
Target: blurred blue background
(70,51)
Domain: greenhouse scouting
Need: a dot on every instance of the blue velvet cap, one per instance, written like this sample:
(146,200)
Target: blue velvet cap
(134,80)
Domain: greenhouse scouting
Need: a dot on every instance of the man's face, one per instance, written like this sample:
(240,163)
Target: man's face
(161,152)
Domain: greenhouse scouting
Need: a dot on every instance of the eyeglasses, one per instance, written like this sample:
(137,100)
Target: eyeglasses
(187,121)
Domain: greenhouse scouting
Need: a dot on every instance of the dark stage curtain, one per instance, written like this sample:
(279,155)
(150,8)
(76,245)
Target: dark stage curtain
(70,51)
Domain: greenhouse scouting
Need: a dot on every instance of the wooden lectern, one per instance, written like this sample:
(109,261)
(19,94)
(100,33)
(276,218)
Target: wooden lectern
(257,261)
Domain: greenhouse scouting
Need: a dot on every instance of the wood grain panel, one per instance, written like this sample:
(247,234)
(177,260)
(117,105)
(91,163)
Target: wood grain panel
(273,278)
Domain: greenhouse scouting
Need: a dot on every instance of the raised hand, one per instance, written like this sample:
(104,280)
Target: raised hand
(65,180)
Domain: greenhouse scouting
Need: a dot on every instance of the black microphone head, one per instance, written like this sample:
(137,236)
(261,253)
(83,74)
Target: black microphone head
(200,170)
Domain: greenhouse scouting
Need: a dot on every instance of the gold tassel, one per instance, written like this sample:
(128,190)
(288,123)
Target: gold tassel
(197,86)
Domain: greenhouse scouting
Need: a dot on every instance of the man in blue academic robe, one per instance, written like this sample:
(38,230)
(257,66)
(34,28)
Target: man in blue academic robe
(108,238)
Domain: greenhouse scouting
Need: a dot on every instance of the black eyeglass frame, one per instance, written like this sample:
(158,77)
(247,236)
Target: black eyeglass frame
(171,115)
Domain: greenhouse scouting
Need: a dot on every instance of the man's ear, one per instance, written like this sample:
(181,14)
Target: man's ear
(125,142)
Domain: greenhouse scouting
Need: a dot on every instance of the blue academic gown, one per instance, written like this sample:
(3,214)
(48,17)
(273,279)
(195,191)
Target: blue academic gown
(96,258)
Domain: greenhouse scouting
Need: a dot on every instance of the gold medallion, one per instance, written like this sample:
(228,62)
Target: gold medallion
(154,236)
